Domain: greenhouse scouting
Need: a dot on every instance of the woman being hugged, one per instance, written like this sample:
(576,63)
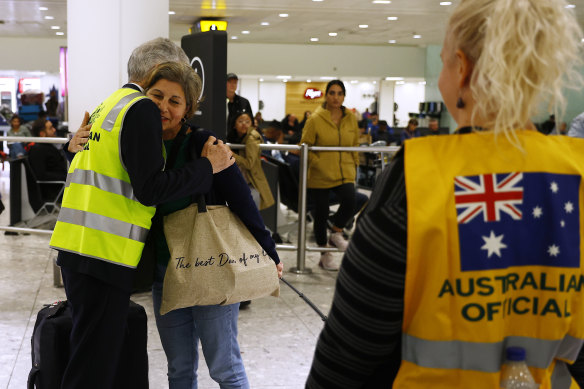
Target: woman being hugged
(417,302)
(332,125)
(175,88)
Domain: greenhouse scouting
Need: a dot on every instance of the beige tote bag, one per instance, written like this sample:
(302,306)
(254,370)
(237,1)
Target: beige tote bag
(214,259)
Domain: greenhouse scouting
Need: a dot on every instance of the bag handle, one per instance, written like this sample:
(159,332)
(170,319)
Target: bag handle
(201,203)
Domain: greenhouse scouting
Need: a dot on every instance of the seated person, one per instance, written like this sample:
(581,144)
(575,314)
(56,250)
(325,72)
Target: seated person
(16,149)
(411,131)
(433,128)
(248,159)
(46,161)
(384,133)
(273,133)
(364,136)
(292,129)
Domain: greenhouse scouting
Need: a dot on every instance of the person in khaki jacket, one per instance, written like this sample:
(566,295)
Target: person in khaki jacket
(241,131)
(332,125)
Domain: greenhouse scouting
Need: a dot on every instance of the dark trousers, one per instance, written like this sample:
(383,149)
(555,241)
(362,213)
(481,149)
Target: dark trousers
(100,312)
(346,195)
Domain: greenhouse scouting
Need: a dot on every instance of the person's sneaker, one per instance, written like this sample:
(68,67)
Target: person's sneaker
(338,241)
(327,261)
(346,230)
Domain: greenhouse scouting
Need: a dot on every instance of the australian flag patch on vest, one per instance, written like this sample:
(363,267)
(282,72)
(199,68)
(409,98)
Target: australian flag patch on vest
(518,219)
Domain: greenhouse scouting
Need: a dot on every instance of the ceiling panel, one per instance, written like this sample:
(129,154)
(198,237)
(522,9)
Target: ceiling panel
(307,19)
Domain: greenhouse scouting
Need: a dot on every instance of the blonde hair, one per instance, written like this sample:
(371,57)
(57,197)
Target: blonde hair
(182,74)
(523,52)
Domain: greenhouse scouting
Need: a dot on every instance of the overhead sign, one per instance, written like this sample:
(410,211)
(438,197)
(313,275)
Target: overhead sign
(212,25)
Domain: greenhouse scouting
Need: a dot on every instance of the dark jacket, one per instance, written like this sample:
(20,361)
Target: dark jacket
(239,104)
(141,149)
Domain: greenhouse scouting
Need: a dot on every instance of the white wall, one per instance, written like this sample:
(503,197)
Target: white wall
(408,96)
(98,52)
(273,94)
(27,54)
(249,88)
(325,60)
(385,107)
(360,95)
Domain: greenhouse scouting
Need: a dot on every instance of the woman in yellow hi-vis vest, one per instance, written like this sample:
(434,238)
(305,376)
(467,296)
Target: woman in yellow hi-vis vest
(471,243)
(116,178)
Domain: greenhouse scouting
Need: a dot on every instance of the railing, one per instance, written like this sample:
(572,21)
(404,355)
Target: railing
(301,247)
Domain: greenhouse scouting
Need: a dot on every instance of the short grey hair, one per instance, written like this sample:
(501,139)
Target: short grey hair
(152,53)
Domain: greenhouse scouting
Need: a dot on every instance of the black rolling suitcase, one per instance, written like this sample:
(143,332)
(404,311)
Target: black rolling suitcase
(50,348)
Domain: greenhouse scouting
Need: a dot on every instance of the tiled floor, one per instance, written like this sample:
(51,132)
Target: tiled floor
(277,335)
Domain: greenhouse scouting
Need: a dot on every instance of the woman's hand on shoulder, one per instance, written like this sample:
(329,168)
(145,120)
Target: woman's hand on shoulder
(218,153)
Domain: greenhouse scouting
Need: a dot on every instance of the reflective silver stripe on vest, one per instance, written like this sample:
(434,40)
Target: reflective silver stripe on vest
(92,256)
(103,223)
(100,181)
(485,357)
(110,119)
(561,377)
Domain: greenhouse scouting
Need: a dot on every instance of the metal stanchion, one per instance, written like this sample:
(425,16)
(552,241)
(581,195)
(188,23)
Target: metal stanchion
(301,253)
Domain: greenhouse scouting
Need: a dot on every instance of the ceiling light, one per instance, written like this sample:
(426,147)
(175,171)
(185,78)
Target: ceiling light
(60,33)
(283,15)
(245,32)
(363,25)
(422,82)
(265,24)
(582,40)
(570,6)
(284,80)
(416,36)
(354,81)
(381,2)
(375,82)
(317,1)
(391,41)
(314,39)
(308,80)
(261,80)
(400,83)
(333,34)
(43,9)
(328,78)
(284,77)
(49,17)
(392,18)
(446,3)
(234,37)
(394,78)
(171,13)
(55,28)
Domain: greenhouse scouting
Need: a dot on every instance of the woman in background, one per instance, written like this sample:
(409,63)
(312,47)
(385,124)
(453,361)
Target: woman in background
(249,161)
(16,149)
(332,125)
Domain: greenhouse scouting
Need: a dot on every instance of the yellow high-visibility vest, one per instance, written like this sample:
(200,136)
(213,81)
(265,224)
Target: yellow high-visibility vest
(100,217)
(493,258)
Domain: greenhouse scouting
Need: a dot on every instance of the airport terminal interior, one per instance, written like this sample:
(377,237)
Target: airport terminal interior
(387,53)
(277,336)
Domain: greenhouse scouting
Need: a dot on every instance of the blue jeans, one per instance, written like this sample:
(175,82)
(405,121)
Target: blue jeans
(180,331)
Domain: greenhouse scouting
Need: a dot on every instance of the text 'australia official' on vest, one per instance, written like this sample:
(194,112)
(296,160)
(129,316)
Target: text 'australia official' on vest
(516,304)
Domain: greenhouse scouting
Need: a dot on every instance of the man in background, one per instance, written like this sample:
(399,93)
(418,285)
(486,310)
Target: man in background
(433,127)
(235,103)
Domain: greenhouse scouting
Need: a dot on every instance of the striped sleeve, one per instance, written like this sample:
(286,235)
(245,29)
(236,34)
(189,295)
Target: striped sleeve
(360,344)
